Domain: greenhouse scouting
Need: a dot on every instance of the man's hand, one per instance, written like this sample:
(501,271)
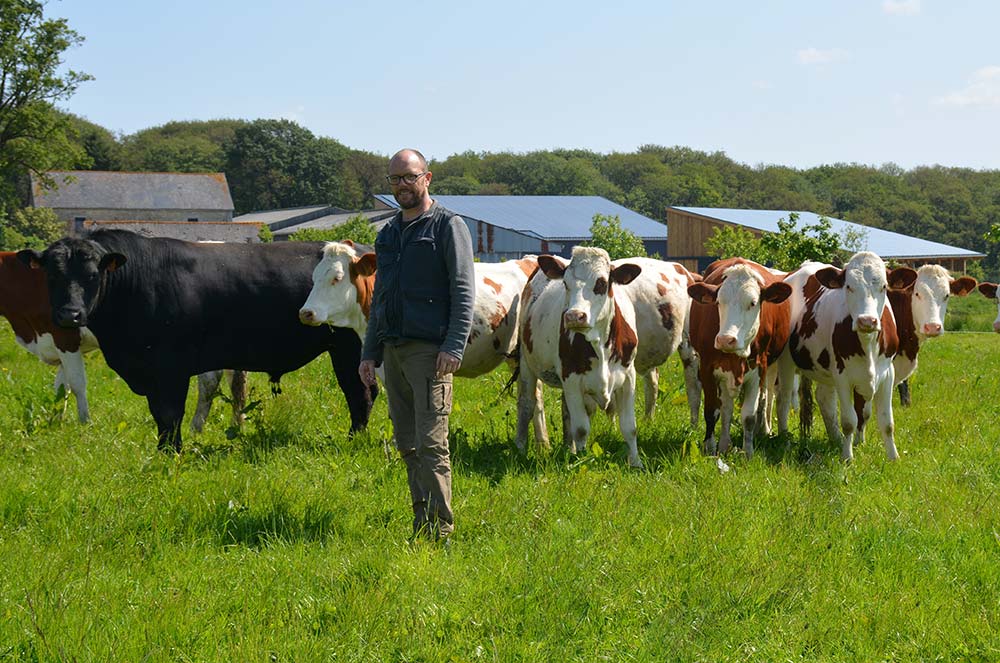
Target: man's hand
(366,369)
(446,365)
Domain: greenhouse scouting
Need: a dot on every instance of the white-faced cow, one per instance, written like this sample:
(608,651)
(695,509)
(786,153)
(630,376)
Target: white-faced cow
(844,338)
(989,291)
(739,326)
(342,289)
(24,301)
(660,299)
(919,312)
(164,310)
(578,336)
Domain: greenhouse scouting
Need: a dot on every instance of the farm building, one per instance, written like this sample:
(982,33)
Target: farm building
(190,206)
(689,227)
(285,222)
(505,227)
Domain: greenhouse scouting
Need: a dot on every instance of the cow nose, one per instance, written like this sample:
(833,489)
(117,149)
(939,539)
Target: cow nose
(867,323)
(932,329)
(574,318)
(725,342)
(71,318)
(307,316)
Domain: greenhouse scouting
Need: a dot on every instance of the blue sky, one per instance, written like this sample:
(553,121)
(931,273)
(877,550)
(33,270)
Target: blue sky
(798,83)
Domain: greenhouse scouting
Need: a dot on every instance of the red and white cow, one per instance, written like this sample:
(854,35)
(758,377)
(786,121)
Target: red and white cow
(844,338)
(24,301)
(342,289)
(919,312)
(739,326)
(579,336)
(989,291)
(661,302)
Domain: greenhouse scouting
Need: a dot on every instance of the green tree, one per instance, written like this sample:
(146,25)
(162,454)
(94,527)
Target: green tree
(34,136)
(607,233)
(357,228)
(180,147)
(29,228)
(735,242)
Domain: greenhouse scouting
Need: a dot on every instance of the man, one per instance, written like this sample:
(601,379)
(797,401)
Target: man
(419,323)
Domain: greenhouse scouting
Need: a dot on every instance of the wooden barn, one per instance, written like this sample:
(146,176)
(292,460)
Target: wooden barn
(689,227)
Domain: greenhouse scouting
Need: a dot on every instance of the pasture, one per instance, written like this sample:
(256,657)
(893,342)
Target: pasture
(287,542)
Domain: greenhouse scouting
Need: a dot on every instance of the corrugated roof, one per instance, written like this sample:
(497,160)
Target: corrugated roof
(332,220)
(92,189)
(547,217)
(883,242)
(276,215)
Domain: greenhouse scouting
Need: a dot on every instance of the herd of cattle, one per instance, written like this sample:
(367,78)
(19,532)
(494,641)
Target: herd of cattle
(164,310)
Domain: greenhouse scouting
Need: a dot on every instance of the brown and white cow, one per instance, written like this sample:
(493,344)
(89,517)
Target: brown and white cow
(739,326)
(343,282)
(661,302)
(919,312)
(989,291)
(578,335)
(24,301)
(844,337)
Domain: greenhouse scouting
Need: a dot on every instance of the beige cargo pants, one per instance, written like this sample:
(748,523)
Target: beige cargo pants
(419,405)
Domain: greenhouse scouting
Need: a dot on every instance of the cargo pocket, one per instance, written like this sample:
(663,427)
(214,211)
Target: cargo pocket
(439,396)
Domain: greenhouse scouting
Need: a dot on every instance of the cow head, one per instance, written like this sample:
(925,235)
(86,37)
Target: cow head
(739,297)
(865,281)
(989,291)
(930,296)
(76,270)
(342,288)
(588,279)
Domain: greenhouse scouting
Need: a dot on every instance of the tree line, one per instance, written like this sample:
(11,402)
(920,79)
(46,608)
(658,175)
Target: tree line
(277,163)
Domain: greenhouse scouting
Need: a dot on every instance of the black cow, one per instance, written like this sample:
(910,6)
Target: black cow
(164,310)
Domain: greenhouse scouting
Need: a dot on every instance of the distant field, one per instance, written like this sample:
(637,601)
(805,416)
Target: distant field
(288,542)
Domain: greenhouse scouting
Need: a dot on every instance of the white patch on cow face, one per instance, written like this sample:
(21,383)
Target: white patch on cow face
(739,301)
(930,300)
(333,299)
(587,280)
(865,287)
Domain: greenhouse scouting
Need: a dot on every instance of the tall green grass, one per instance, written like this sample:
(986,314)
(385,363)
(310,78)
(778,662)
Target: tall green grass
(288,542)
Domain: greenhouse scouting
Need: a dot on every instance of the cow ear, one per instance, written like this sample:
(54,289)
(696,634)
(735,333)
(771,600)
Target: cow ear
(110,262)
(625,274)
(703,293)
(988,289)
(551,266)
(776,293)
(349,242)
(902,278)
(31,258)
(365,265)
(830,277)
(962,286)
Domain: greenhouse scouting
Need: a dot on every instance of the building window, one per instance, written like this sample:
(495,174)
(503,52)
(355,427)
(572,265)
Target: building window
(192,218)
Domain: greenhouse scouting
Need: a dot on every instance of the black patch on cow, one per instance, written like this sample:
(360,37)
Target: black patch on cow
(824,359)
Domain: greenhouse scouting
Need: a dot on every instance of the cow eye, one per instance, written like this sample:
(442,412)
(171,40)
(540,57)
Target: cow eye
(917,295)
(752,304)
(335,280)
(849,289)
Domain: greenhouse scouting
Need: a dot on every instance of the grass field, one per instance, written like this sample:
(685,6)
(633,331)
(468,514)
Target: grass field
(288,541)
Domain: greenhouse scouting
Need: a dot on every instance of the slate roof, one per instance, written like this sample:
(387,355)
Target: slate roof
(327,221)
(277,215)
(883,242)
(557,218)
(94,189)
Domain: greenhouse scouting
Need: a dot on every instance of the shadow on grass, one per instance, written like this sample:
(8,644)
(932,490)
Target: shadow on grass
(235,524)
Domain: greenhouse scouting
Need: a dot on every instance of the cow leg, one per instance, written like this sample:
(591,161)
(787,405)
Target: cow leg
(904,393)
(567,429)
(238,391)
(579,419)
(529,410)
(625,408)
(208,389)
(863,410)
(748,412)
(713,407)
(826,398)
(166,403)
(848,421)
(650,383)
(690,361)
(883,413)
(786,389)
(345,366)
(74,376)
(728,390)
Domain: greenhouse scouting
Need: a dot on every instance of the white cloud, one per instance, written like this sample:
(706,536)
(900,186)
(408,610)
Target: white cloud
(983,89)
(901,7)
(810,56)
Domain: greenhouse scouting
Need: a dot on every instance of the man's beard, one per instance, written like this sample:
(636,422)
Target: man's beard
(414,200)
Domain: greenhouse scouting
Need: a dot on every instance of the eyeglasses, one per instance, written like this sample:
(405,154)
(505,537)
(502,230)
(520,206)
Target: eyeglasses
(409,178)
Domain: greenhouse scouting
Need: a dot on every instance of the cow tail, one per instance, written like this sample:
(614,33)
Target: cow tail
(805,406)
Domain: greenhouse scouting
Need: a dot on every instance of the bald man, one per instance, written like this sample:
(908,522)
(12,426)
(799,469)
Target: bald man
(419,323)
